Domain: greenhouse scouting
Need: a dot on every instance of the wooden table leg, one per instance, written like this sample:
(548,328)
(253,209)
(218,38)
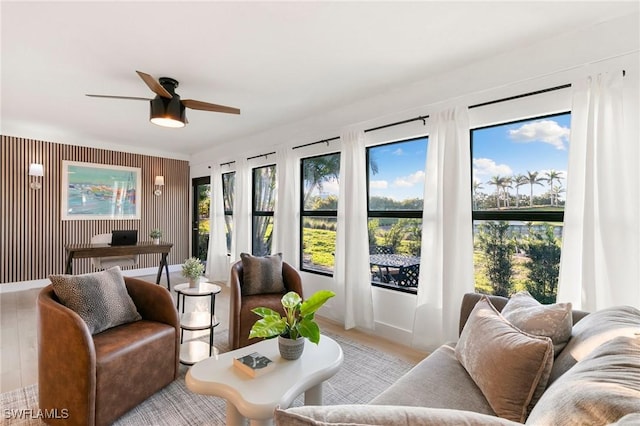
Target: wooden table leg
(68,266)
(163,264)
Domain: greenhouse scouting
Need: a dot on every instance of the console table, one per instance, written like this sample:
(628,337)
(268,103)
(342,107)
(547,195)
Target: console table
(83,251)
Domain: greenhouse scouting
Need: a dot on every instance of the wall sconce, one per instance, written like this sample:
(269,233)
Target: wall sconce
(36,170)
(159,182)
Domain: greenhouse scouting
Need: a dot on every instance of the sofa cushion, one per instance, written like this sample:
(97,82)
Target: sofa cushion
(553,321)
(594,330)
(600,389)
(436,382)
(354,415)
(100,298)
(509,366)
(261,275)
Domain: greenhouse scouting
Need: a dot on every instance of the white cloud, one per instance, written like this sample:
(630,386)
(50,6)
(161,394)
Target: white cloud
(486,167)
(398,152)
(330,187)
(547,131)
(378,184)
(409,181)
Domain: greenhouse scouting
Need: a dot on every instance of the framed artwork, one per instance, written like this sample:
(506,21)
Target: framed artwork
(99,191)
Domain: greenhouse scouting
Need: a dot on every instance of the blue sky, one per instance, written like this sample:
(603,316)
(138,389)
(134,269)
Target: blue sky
(505,150)
(533,145)
(400,170)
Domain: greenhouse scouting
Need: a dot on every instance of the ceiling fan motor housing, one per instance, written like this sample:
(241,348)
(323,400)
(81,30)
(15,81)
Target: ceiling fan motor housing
(168,108)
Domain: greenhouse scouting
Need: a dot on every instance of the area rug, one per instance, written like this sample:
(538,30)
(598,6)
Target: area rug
(364,374)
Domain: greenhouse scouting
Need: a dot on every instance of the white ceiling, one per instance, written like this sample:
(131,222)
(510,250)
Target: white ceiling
(279,62)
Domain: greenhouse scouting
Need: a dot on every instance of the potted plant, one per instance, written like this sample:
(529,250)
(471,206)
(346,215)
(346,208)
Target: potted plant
(155,235)
(297,324)
(192,268)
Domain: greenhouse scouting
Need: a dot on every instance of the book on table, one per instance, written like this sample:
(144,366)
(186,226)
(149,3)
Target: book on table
(254,364)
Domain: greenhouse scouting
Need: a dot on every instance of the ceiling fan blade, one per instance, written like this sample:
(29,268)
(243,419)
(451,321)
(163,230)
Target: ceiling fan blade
(205,106)
(133,98)
(154,85)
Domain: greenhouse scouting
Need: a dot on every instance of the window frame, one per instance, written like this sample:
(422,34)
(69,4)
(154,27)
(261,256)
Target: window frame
(230,211)
(312,213)
(258,213)
(478,216)
(393,214)
(497,215)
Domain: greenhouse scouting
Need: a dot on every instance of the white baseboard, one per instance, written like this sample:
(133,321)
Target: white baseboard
(28,285)
(394,333)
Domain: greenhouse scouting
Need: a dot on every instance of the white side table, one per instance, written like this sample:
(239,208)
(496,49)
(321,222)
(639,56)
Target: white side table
(257,398)
(194,351)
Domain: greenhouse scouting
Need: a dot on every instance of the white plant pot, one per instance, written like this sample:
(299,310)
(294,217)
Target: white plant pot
(194,282)
(156,241)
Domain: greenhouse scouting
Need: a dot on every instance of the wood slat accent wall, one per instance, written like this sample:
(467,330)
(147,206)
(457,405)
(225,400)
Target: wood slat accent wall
(32,234)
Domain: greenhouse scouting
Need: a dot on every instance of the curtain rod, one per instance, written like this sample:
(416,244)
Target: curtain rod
(315,143)
(524,95)
(261,155)
(228,163)
(420,117)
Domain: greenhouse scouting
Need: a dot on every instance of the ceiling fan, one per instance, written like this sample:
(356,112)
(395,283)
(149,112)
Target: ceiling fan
(167,109)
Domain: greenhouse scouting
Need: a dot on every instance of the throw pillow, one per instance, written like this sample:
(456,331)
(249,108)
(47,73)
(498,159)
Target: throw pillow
(261,275)
(357,415)
(509,366)
(100,298)
(529,315)
(593,330)
(601,389)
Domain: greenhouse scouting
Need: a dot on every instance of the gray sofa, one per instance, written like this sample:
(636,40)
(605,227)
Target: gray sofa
(594,379)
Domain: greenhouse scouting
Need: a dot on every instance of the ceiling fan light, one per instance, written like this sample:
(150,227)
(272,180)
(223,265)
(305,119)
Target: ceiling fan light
(168,112)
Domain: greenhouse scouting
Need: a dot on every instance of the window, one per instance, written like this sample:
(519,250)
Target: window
(264,186)
(319,207)
(395,184)
(201,217)
(228,187)
(519,171)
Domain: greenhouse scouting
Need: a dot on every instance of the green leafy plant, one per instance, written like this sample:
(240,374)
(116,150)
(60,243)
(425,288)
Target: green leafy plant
(192,268)
(155,233)
(298,320)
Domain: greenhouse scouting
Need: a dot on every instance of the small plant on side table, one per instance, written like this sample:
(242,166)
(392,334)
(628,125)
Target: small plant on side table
(297,324)
(192,268)
(155,235)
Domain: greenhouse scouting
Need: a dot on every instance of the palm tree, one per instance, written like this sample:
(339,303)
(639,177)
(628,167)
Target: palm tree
(318,170)
(519,180)
(533,179)
(550,177)
(556,191)
(477,185)
(499,183)
(506,185)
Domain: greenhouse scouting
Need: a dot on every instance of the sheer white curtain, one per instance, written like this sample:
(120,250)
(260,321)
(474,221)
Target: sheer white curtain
(351,271)
(241,235)
(446,267)
(600,253)
(286,216)
(217,259)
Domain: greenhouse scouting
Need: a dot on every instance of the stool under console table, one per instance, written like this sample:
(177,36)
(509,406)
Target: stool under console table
(197,350)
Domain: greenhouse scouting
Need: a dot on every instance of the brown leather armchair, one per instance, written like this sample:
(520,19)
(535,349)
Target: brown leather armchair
(98,378)
(241,319)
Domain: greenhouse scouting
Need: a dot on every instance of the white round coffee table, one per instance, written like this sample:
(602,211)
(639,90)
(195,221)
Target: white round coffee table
(257,398)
